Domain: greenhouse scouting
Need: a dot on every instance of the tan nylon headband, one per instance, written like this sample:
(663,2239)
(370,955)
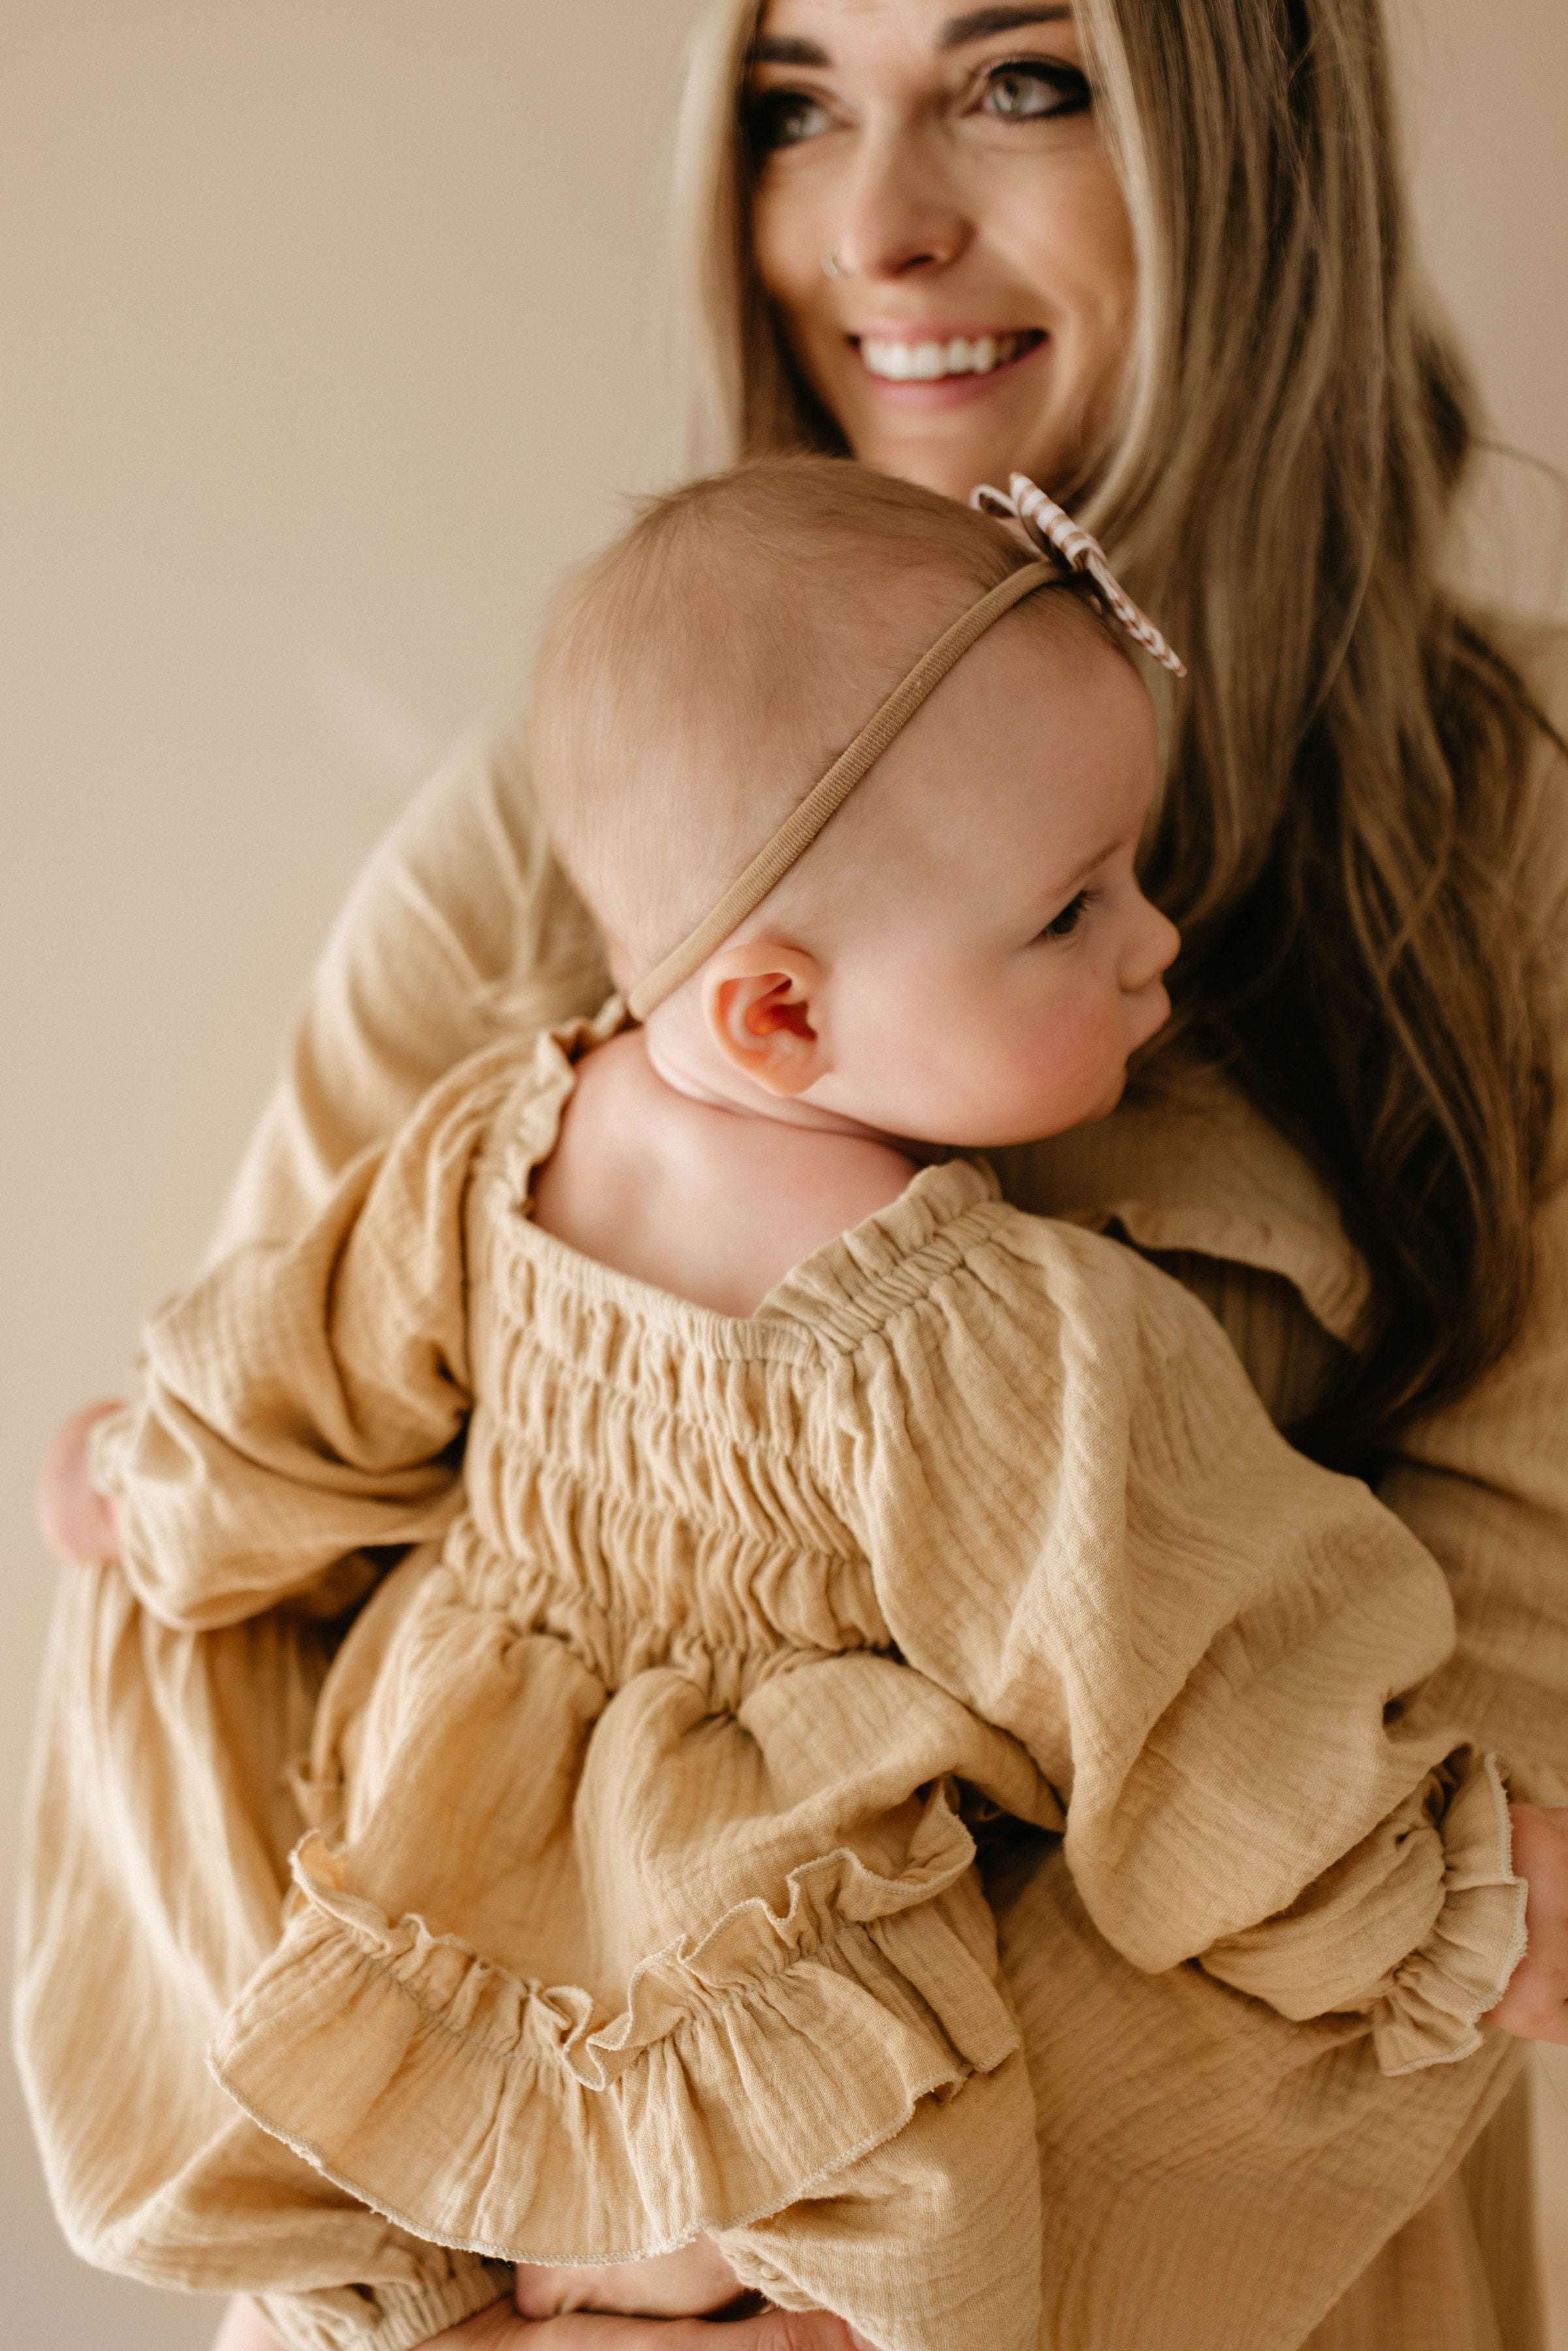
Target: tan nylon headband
(797,833)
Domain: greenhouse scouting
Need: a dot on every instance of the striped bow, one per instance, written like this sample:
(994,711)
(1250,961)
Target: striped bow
(1053,529)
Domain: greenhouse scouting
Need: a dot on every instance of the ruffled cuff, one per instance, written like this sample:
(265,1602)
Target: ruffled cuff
(478,2110)
(386,2318)
(1417,1928)
(1428,2014)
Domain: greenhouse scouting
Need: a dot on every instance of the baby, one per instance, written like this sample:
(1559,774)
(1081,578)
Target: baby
(800,1504)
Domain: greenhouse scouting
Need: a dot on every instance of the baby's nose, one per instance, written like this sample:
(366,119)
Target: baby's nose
(1153,949)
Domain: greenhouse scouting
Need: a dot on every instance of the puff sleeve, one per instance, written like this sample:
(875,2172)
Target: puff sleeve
(304,1401)
(1083,1524)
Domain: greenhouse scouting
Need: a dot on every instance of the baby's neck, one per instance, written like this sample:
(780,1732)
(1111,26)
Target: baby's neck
(709,1198)
(684,1057)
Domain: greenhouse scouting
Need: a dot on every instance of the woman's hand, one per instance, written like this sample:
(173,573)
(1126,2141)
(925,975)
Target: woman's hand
(79,1524)
(1535,2005)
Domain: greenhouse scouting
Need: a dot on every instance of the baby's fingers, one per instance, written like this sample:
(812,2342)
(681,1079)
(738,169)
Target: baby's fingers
(79,1524)
(1535,2005)
(245,2329)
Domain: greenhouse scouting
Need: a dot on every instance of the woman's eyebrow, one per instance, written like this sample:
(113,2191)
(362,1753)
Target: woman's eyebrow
(982,23)
(785,49)
(978,25)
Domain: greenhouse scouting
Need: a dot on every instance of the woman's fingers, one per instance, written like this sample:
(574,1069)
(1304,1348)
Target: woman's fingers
(79,1524)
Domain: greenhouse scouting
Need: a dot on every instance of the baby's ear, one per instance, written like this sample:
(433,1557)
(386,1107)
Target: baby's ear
(760,1001)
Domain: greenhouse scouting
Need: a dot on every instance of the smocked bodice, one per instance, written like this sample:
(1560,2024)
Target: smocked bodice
(655,1483)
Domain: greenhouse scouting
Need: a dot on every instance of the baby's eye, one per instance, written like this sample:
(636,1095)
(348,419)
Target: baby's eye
(1028,90)
(1063,925)
(782,118)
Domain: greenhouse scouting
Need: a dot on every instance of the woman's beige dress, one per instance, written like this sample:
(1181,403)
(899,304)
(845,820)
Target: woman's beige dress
(1211,2173)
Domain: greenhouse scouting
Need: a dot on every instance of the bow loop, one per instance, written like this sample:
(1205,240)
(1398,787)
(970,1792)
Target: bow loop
(1056,533)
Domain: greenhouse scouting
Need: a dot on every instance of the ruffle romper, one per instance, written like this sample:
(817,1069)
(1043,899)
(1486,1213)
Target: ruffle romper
(641,1895)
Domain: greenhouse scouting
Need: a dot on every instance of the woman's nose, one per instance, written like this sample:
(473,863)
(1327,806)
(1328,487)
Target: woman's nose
(898,217)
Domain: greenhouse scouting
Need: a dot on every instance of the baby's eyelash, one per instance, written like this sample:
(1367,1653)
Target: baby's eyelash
(1063,925)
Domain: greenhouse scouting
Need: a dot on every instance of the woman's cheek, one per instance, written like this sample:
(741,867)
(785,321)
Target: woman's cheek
(791,232)
(1077,249)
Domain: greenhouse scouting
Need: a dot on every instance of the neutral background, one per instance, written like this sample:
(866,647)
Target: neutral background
(334,329)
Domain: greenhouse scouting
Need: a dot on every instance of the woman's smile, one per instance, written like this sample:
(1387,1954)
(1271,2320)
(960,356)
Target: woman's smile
(937,361)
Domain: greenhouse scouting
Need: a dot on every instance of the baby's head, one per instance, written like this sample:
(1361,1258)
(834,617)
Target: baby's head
(963,954)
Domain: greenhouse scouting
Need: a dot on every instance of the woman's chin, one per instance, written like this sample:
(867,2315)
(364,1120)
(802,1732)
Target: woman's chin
(951,445)
(947,455)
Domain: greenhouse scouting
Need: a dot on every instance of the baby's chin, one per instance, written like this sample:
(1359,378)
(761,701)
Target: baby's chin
(1038,1121)
(1108,1100)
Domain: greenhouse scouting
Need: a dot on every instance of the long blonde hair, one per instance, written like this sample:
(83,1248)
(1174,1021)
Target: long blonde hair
(1349,764)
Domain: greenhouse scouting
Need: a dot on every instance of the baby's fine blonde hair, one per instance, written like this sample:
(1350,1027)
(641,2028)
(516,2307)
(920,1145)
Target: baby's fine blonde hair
(697,677)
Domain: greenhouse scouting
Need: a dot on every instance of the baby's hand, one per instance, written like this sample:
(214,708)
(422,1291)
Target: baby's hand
(694,2280)
(1535,2005)
(78,1523)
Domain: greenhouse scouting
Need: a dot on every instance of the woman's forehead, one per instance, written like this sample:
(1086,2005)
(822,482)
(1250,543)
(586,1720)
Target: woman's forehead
(811,33)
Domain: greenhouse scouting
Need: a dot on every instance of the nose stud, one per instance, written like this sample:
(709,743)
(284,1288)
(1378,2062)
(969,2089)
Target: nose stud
(832,266)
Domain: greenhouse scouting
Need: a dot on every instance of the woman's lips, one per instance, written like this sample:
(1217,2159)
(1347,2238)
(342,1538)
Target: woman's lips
(937,369)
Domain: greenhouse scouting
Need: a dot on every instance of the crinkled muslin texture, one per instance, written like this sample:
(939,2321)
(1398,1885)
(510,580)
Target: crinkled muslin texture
(1134,2061)
(641,1901)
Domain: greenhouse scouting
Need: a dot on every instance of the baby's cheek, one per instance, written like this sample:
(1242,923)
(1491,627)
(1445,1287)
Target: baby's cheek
(1069,1065)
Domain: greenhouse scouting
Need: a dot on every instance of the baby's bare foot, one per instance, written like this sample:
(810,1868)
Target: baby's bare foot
(694,2278)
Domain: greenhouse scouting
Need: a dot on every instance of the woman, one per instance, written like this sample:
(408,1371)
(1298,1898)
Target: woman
(1154,252)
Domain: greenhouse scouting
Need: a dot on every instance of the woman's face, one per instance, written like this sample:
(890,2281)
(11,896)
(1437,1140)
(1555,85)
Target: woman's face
(941,233)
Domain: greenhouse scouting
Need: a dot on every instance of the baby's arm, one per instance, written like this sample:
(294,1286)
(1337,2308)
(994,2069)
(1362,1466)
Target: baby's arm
(303,1402)
(1084,1525)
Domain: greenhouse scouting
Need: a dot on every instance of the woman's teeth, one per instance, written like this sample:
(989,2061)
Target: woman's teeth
(929,362)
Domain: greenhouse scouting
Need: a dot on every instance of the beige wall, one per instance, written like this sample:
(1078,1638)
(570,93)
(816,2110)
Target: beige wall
(337,335)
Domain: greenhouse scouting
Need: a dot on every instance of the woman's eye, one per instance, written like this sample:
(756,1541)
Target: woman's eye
(783,118)
(1063,925)
(1027,89)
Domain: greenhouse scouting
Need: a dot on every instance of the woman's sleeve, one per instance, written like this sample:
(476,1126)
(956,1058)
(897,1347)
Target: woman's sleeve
(304,1401)
(166,1796)
(1484,1482)
(461,913)
(1083,1524)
